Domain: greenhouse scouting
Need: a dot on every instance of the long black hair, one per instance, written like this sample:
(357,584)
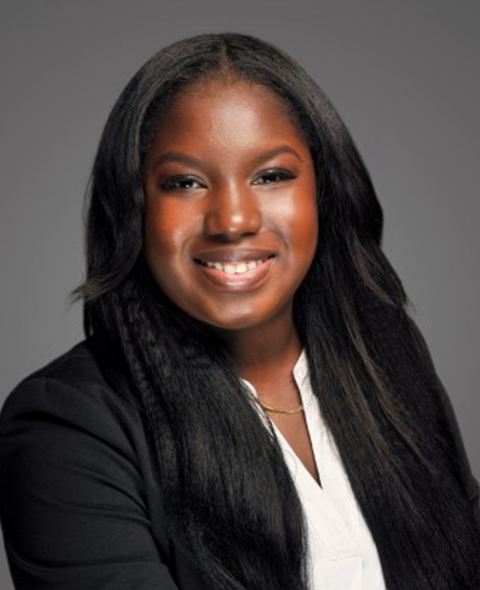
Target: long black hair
(229,497)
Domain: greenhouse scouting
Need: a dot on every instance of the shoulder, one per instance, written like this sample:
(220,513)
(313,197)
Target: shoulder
(75,367)
(78,480)
(72,388)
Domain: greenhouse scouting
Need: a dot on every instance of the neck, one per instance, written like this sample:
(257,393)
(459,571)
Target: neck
(266,352)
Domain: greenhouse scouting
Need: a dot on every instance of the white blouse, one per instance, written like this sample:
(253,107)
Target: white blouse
(342,552)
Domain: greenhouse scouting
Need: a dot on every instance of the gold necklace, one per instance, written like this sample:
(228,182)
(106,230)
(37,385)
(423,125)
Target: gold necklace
(294,411)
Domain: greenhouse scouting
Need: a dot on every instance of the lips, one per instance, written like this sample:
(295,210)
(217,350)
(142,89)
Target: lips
(225,255)
(236,277)
(235,267)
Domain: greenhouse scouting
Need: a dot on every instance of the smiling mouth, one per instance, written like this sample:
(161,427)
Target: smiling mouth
(234,268)
(236,276)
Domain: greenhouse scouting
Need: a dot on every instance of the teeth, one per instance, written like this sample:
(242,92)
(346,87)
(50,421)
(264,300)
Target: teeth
(235,267)
(230,269)
(239,268)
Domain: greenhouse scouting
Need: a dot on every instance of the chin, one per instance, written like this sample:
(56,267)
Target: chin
(236,321)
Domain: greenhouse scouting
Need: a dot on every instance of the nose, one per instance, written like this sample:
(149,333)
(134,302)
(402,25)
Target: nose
(231,213)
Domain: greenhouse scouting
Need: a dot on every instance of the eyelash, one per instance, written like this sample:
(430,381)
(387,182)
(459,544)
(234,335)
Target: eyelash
(169,183)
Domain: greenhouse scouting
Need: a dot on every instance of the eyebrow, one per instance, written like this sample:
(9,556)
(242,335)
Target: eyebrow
(192,161)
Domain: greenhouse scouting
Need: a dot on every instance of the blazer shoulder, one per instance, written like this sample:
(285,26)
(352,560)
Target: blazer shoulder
(72,384)
(79,483)
(77,365)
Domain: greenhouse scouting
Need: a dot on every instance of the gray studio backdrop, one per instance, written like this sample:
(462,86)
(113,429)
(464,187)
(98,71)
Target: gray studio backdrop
(403,76)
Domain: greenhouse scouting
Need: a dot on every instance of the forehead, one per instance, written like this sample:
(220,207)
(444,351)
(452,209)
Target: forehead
(210,111)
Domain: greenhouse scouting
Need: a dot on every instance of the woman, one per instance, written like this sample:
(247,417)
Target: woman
(253,407)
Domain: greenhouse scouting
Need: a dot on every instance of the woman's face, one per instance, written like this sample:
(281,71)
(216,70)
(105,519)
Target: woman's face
(231,219)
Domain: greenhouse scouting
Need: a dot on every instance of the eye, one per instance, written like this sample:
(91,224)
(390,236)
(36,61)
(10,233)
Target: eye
(180,182)
(274,175)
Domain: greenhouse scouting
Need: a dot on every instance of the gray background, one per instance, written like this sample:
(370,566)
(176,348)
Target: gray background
(404,77)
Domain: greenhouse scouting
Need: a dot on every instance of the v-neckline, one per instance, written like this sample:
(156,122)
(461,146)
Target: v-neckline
(338,539)
(335,536)
(299,373)
(298,461)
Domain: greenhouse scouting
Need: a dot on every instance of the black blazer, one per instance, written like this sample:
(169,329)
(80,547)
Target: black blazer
(80,500)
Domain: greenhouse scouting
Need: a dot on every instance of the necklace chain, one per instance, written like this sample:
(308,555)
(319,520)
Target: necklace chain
(294,411)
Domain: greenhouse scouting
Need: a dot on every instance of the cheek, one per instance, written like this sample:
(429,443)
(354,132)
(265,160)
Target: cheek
(298,218)
(304,241)
(166,231)
(307,222)
(163,252)
(309,226)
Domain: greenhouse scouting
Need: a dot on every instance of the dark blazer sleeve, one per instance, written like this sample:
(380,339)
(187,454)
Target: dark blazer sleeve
(470,482)
(72,502)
